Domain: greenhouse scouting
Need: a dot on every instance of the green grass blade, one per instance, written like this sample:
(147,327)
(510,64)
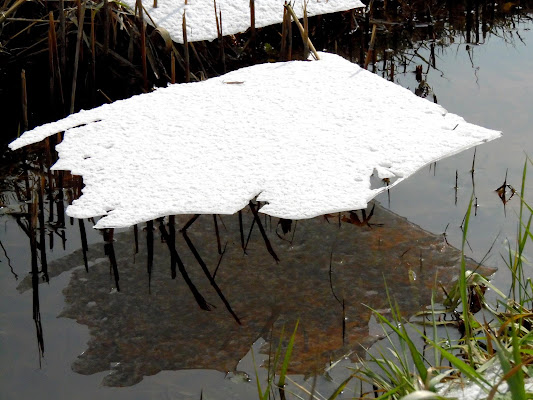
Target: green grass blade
(462,281)
(262,396)
(340,388)
(459,364)
(286,360)
(404,337)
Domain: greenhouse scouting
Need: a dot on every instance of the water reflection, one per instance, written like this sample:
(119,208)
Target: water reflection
(324,277)
(138,297)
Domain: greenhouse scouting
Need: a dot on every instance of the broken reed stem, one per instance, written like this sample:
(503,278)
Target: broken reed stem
(218,19)
(11,10)
(370,52)
(302,31)
(24,97)
(197,56)
(93,55)
(106,27)
(172,68)
(55,67)
(306,33)
(186,50)
(63,37)
(51,37)
(284,32)
(139,6)
(252,22)
(77,56)
(221,43)
(289,33)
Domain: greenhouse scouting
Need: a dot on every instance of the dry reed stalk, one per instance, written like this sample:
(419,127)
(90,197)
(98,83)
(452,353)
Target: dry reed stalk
(55,70)
(186,49)
(284,33)
(51,34)
(106,26)
(11,10)
(252,21)
(370,52)
(27,28)
(305,36)
(302,31)
(24,97)
(218,18)
(172,68)
(139,7)
(77,56)
(63,36)
(289,33)
(197,56)
(93,55)
(155,3)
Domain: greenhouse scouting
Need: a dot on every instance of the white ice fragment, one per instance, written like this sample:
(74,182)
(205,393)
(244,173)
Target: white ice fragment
(303,136)
(202,24)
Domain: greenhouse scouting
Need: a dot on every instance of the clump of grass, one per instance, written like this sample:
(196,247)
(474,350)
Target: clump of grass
(268,390)
(504,343)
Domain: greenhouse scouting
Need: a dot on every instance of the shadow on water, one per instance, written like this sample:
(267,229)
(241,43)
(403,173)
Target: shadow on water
(169,296)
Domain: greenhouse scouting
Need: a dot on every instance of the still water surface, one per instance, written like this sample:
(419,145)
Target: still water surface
(487,84)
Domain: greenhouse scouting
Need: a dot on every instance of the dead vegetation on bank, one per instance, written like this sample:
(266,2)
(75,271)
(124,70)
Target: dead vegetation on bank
(57,57)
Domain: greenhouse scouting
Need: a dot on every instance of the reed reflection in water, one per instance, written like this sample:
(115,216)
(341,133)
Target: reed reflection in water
(223,298)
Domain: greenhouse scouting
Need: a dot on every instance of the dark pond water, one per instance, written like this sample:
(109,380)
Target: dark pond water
(134,333)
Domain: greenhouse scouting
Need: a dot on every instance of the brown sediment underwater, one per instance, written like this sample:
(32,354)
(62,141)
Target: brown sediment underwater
(330,262)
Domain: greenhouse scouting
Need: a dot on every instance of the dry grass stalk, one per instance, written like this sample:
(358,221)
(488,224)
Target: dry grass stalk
(106,26)
(24,100)
(218,18)
(172,68)
(93,55)
(77,56)
(63,37)
(284,34)
(252,20)
(370,52)
(11,10)
(186,50)
(305,36)
(302,30)
(142,26)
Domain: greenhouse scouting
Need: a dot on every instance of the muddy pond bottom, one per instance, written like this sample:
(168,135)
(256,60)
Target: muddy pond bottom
(222,299)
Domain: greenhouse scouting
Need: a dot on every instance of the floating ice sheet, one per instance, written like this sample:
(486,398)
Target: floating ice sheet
(305,137)
(201,21)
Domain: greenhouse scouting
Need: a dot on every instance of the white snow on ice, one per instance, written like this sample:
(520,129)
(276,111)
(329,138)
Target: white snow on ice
(468,390)
(305,136)
(200,14)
